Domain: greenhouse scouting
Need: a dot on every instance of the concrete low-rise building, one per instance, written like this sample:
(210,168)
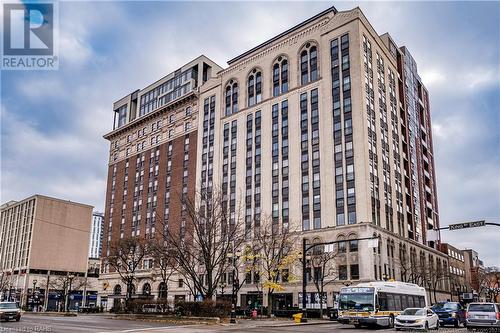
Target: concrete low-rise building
(44,244)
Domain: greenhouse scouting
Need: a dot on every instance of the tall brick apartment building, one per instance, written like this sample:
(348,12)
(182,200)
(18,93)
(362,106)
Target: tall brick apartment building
(327,129)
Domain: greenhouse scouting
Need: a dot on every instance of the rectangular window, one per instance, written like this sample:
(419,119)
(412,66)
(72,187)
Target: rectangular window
(354,272)
(340,219)
(352,217)
(342,272)
(353,246)
(341,247)
(122,115)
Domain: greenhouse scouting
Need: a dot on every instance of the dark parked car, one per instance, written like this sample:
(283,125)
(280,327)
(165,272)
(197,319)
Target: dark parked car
(450,313)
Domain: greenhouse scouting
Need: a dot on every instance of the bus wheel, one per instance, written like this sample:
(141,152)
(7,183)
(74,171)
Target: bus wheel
(357,325)
(391,321)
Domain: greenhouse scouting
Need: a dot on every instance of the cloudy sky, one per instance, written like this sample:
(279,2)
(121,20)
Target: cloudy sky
(52,122)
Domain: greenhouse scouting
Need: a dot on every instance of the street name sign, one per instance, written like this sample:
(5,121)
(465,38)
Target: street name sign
(465,225)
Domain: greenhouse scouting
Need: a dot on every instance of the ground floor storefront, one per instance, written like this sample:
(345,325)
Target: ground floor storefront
(51,291)
(356,260)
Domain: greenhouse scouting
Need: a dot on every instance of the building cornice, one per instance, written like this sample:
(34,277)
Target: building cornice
(292,40)
(331,9)
(142,119)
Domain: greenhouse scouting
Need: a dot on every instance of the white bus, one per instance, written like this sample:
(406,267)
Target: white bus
(378,303)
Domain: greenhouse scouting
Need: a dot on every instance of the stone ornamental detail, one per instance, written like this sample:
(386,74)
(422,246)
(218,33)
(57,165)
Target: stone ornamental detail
(276,48)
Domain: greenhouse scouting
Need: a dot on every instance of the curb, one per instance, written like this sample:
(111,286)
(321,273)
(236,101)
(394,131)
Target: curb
(167,319)
(51,314)
(298,324)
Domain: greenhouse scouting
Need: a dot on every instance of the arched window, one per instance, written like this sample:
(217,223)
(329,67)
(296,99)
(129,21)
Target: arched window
(308,64)
(231,95)
(117,290)
(280,76)
(146,289)
(162,290)
(254,87)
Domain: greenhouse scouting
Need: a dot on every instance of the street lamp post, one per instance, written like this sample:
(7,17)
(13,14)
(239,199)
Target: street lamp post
(10,287)
(234,256)
(33,294)
(66,305)
(305,249)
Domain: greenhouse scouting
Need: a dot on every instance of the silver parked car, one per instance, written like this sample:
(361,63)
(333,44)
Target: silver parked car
(417,318)
(9,311)
(483,315)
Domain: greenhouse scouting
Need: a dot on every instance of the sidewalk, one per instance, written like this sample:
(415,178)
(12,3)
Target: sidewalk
(256,323)
(50,313)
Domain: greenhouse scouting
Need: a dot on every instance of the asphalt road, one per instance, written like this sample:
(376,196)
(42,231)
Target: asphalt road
(80,324)
(103,324)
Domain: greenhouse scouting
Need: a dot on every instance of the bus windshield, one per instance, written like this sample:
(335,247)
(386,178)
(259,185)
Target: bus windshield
(356,301)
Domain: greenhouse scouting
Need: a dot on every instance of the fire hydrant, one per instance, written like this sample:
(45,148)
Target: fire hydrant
(297,317)
(254,314)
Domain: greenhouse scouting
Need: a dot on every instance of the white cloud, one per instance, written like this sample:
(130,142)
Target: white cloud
(432,77)
(482,77)
(40,89)
(74,49)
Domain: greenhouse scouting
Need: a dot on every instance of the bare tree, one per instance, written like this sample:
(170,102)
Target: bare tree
(274,255)
(4,283)
(488,280)
(411,269)
(164,260)
(324,272)
(201,246)
(64,285)
(125,258)
(416,269)
(434,277)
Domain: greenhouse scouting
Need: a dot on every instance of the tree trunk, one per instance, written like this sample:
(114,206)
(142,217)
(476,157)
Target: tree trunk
(269,304)
(129,295)
(320,304)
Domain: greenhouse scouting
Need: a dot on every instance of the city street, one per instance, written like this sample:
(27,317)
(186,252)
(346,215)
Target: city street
(99,323)
(95,324)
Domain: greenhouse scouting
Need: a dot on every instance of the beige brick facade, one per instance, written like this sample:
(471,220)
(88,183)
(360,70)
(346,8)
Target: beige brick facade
(357,178)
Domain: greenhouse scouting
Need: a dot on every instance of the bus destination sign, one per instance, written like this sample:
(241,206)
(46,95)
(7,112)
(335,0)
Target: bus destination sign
(357,290)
